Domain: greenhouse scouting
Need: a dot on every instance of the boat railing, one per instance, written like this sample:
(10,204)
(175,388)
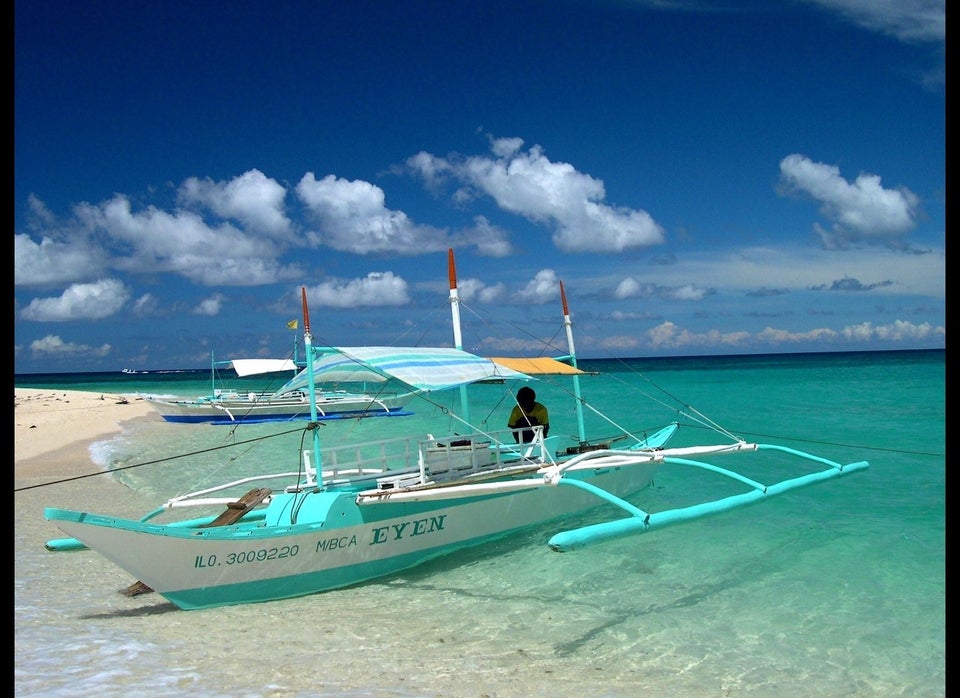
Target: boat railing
(394,463)
(465,457)
(200,498)
(372,457)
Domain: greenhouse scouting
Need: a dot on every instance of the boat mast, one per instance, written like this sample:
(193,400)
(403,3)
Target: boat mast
(457,335)
(311,385)
(568,326)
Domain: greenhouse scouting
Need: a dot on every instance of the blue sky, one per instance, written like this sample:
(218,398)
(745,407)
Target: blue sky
(704,177)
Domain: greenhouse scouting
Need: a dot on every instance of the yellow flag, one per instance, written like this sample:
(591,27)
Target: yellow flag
(292,325)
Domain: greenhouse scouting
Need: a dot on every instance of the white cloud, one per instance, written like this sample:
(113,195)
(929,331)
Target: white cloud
(146,305)
(860,211)
(53,346)
(907,20)
(489,240)
(252,198)
(895,331)
(632,288)
(53,262)
(79,302)
(492,294)
(210,306)
(794,268)
(473,289)
(111,235)
(551,193)
(183,243)
(669,336)
(376,289)
(545,286)
(629,288)
(354,218)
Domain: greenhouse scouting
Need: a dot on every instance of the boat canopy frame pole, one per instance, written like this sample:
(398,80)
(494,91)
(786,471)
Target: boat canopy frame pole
(577,395)
(457,332)
(296,353)
(311,389)
(578,400)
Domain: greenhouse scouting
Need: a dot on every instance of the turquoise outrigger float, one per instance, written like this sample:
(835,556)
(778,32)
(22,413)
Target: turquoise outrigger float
(355,512)
(641,522)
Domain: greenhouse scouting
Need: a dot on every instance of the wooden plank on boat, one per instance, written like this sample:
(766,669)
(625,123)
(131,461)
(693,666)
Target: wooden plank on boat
(136,589)
(586,448)
(234,512)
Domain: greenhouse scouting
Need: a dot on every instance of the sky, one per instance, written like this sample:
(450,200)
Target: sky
(704,177)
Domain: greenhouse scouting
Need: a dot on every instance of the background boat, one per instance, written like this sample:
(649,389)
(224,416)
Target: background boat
(287,403)
(230,407)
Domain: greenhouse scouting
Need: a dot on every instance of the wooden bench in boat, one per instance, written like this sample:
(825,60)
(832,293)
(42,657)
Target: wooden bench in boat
(236,510)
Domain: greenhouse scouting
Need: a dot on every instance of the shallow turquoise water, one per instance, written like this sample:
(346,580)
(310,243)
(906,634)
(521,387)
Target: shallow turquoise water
(832,590)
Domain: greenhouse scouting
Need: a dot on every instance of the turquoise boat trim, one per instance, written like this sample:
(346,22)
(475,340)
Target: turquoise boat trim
(603,494)
(717,469)
(657,439)
(66,544)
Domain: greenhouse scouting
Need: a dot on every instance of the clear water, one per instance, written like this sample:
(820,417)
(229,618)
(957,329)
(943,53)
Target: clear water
(832,590)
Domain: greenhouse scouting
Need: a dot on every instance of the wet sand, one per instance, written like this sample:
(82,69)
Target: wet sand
(53,432)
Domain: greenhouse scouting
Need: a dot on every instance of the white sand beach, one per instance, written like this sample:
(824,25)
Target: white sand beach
(53,432)
(53,429)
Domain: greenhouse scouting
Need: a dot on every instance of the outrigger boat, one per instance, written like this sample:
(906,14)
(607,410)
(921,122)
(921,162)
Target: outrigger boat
(231,407)
(288,403)
(357,512)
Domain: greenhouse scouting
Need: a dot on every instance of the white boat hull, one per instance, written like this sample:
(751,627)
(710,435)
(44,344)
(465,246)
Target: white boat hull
(344,543)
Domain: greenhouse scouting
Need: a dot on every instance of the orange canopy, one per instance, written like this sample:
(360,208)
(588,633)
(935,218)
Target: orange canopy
(539,366)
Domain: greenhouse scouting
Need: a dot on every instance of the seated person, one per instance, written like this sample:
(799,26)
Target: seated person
(528,413)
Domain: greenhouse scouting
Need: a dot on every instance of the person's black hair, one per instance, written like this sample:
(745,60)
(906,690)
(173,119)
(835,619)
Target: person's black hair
(526,396)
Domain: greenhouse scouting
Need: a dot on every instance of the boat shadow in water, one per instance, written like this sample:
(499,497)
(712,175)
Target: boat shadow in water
(736,574)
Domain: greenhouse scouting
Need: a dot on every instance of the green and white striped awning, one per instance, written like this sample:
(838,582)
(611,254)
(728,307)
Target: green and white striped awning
(422,368)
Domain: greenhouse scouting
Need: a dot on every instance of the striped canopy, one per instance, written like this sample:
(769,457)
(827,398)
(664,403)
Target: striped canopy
(422,368)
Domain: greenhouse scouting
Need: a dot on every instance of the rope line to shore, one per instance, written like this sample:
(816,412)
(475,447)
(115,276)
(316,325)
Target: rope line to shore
(309,426)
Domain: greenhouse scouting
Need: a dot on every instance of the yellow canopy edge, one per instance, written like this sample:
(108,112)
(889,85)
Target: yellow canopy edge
(542,366)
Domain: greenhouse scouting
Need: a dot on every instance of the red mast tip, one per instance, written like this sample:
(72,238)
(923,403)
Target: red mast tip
(306,312)
(451,269)
(563,299)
